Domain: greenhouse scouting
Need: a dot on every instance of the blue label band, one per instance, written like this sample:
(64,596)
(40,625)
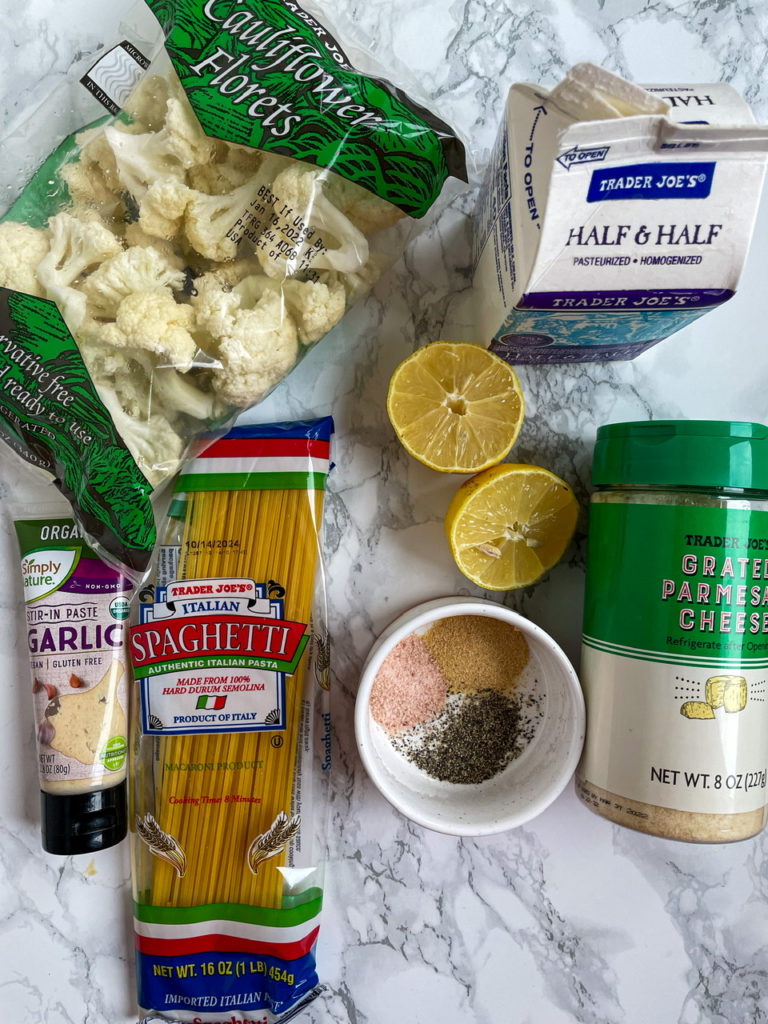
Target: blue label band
(223,983)
(627,301)
(652,181)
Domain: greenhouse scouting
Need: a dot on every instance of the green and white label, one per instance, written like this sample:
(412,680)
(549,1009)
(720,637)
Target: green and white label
(44,572)
(675,655)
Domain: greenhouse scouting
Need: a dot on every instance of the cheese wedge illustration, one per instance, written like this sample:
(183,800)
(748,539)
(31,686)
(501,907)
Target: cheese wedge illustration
(727,692)
(696,709)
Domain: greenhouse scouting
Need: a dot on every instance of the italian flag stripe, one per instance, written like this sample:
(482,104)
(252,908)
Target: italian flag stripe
(319,429)
(251,482)
(234,929)
(270,917)
(273,456)
(246,466)
(211,942)
(256,448)
(213,702)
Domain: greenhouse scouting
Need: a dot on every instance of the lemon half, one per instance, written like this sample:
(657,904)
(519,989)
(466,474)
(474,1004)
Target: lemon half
(456,407)
(509,525)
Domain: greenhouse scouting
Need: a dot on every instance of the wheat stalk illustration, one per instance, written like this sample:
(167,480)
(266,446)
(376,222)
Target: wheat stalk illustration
(162,844)
(322,658)
(282,830)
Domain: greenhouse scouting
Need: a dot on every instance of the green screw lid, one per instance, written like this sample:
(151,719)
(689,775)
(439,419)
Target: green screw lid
(683,453)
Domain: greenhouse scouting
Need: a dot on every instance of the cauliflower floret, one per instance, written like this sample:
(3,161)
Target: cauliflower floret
(222,293)
(301,192)
(185,135)
(153,156)
(177,391)
(162,209)
(147,103)
(136,235)
(21,249)
(119,369)
(133,270)
(87,187)
(215,304)
(315,306)
(154,444)
(92,179)
(153,321)
(359,283)
(122,381)
(209,220)
(97,154)
(367,211)
(230,274)
(255,351)
(104,362)
(142,159)
(77,243)
(142,387)
(232,166)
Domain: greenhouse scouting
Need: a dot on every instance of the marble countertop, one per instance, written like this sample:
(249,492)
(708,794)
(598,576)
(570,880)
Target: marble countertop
(566,919)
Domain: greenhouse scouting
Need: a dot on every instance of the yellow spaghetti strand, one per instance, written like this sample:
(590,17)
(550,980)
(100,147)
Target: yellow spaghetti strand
(217,793)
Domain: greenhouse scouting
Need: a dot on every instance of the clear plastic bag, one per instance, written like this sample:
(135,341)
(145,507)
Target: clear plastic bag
(231,754)
(245,188)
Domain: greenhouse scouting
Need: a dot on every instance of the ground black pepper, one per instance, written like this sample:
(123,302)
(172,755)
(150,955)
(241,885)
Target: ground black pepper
(472,740)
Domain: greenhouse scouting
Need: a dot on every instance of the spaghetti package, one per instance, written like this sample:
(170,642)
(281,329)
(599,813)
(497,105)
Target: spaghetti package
(232,734)
(240,180)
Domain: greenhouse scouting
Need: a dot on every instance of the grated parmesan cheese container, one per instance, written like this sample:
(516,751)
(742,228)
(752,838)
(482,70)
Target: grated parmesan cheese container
(675,645)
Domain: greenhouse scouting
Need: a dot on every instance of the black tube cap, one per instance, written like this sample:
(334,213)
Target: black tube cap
(83,822)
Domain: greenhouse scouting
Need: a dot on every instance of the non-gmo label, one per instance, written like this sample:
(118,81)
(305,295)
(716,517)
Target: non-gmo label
(652,181)
(212,655)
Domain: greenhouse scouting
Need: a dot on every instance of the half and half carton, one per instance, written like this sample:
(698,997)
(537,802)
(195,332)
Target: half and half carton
(613,215)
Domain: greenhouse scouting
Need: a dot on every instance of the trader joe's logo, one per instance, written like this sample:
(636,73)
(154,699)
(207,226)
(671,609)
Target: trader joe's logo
(213,656)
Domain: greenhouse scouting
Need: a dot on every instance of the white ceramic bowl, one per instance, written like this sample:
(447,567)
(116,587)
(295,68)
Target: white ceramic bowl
(527,785)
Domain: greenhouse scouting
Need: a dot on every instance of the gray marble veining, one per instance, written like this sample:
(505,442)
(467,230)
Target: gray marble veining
(569,919)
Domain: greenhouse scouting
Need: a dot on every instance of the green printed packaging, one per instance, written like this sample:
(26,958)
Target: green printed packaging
(238,184)
(675,646)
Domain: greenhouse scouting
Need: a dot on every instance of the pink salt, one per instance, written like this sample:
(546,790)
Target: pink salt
(409,688)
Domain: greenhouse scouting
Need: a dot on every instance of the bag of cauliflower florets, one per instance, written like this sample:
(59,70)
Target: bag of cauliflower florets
(169,263)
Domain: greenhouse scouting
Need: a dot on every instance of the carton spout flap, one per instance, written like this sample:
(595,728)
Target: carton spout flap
(750,139)
(590,93)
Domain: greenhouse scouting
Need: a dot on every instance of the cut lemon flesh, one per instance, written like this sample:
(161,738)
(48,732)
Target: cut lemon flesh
(456,407)
(509,525)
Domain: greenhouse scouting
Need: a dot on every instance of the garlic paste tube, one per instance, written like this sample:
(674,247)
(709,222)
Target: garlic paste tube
(77,614)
